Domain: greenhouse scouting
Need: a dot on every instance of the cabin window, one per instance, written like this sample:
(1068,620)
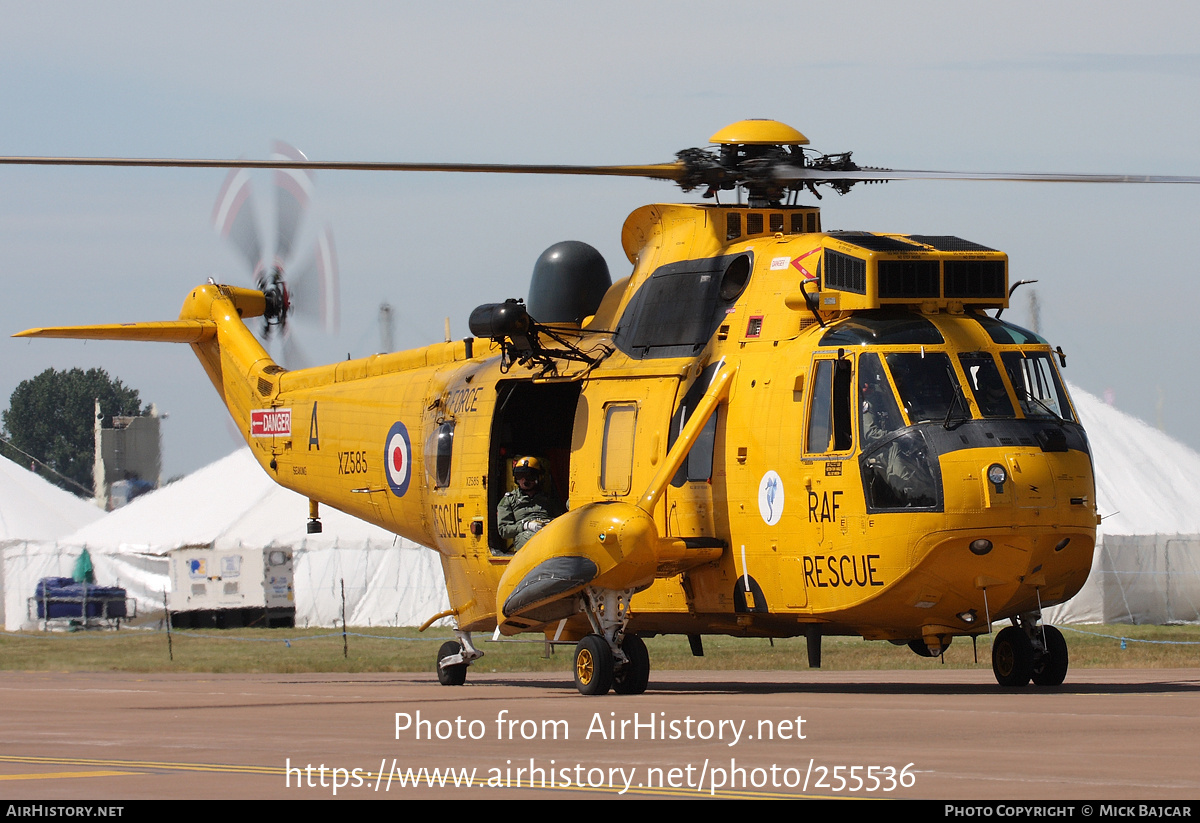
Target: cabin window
(438,450)
(616,461)
(698,466)
(700,458)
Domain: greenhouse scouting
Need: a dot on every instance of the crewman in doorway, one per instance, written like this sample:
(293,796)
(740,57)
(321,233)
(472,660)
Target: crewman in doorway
(528,507)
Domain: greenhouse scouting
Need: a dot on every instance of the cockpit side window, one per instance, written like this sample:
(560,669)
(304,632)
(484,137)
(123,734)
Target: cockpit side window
(879,415)
(820,415)
(829,416)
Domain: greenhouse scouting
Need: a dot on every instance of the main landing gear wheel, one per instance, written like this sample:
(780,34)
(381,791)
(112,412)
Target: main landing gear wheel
(1012,658)
(593,665)
(634,676)
(456,673)
(1050,668)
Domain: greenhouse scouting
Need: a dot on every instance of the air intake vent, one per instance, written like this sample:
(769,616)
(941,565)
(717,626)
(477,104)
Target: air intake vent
(947,242)
(733,226)
(777,223)
(845,273)
(754,223)
(966,279)
(265,387)
(798,224)
(915,279)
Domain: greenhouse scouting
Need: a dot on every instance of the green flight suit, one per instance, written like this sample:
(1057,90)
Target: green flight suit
(517,508)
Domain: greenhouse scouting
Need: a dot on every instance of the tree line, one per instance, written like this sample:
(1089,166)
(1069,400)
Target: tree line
(50,422)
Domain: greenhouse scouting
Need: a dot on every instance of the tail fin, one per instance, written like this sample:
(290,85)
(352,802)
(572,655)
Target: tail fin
(212,322)
(162,331)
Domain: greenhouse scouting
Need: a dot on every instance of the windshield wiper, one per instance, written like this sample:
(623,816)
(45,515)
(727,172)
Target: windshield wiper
(958,397)
(1050,411)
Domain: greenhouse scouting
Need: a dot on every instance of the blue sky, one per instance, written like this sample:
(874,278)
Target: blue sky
(1086,87)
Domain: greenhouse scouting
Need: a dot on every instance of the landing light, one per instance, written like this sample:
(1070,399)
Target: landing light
(996,474)
(981,546)
(968,617)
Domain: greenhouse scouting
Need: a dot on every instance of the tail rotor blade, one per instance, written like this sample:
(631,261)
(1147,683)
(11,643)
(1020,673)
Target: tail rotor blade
(314,285)
(291,354)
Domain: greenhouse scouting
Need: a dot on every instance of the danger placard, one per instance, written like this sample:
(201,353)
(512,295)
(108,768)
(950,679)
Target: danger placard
(271,423)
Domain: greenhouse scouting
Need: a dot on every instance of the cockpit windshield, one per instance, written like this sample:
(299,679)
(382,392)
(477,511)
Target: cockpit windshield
(986,384)
(927,385)
(1036,382)
(929,388)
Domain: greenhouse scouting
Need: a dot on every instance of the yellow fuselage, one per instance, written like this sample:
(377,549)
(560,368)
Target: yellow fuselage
(776,520)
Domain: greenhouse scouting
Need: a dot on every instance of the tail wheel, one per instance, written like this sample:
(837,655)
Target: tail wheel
(1050,669)
(1012,658)
(634,676)
(593,665)
(454,674)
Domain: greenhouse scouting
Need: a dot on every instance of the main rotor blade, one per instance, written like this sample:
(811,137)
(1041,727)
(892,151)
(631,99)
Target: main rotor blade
(659,171)
(676,171)
(798,174)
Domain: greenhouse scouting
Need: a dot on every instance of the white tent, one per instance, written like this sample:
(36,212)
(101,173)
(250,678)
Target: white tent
(1147,563)
(230,503)
(32,509)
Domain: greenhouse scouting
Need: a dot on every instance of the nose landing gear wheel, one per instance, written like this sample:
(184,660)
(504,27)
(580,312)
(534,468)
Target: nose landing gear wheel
(593,665)
(454,674)
(1012,658)
(634,676)
(1051,667)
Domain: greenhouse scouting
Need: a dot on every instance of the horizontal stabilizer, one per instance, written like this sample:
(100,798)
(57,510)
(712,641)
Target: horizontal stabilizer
(160,331)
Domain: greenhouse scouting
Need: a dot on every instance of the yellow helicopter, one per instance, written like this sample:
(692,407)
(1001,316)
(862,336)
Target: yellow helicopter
(764,430)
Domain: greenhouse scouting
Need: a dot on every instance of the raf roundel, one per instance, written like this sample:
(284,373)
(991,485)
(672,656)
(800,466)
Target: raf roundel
(397,458)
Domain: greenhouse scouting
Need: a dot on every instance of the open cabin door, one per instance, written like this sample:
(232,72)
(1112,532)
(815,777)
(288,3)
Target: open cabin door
(531,419)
